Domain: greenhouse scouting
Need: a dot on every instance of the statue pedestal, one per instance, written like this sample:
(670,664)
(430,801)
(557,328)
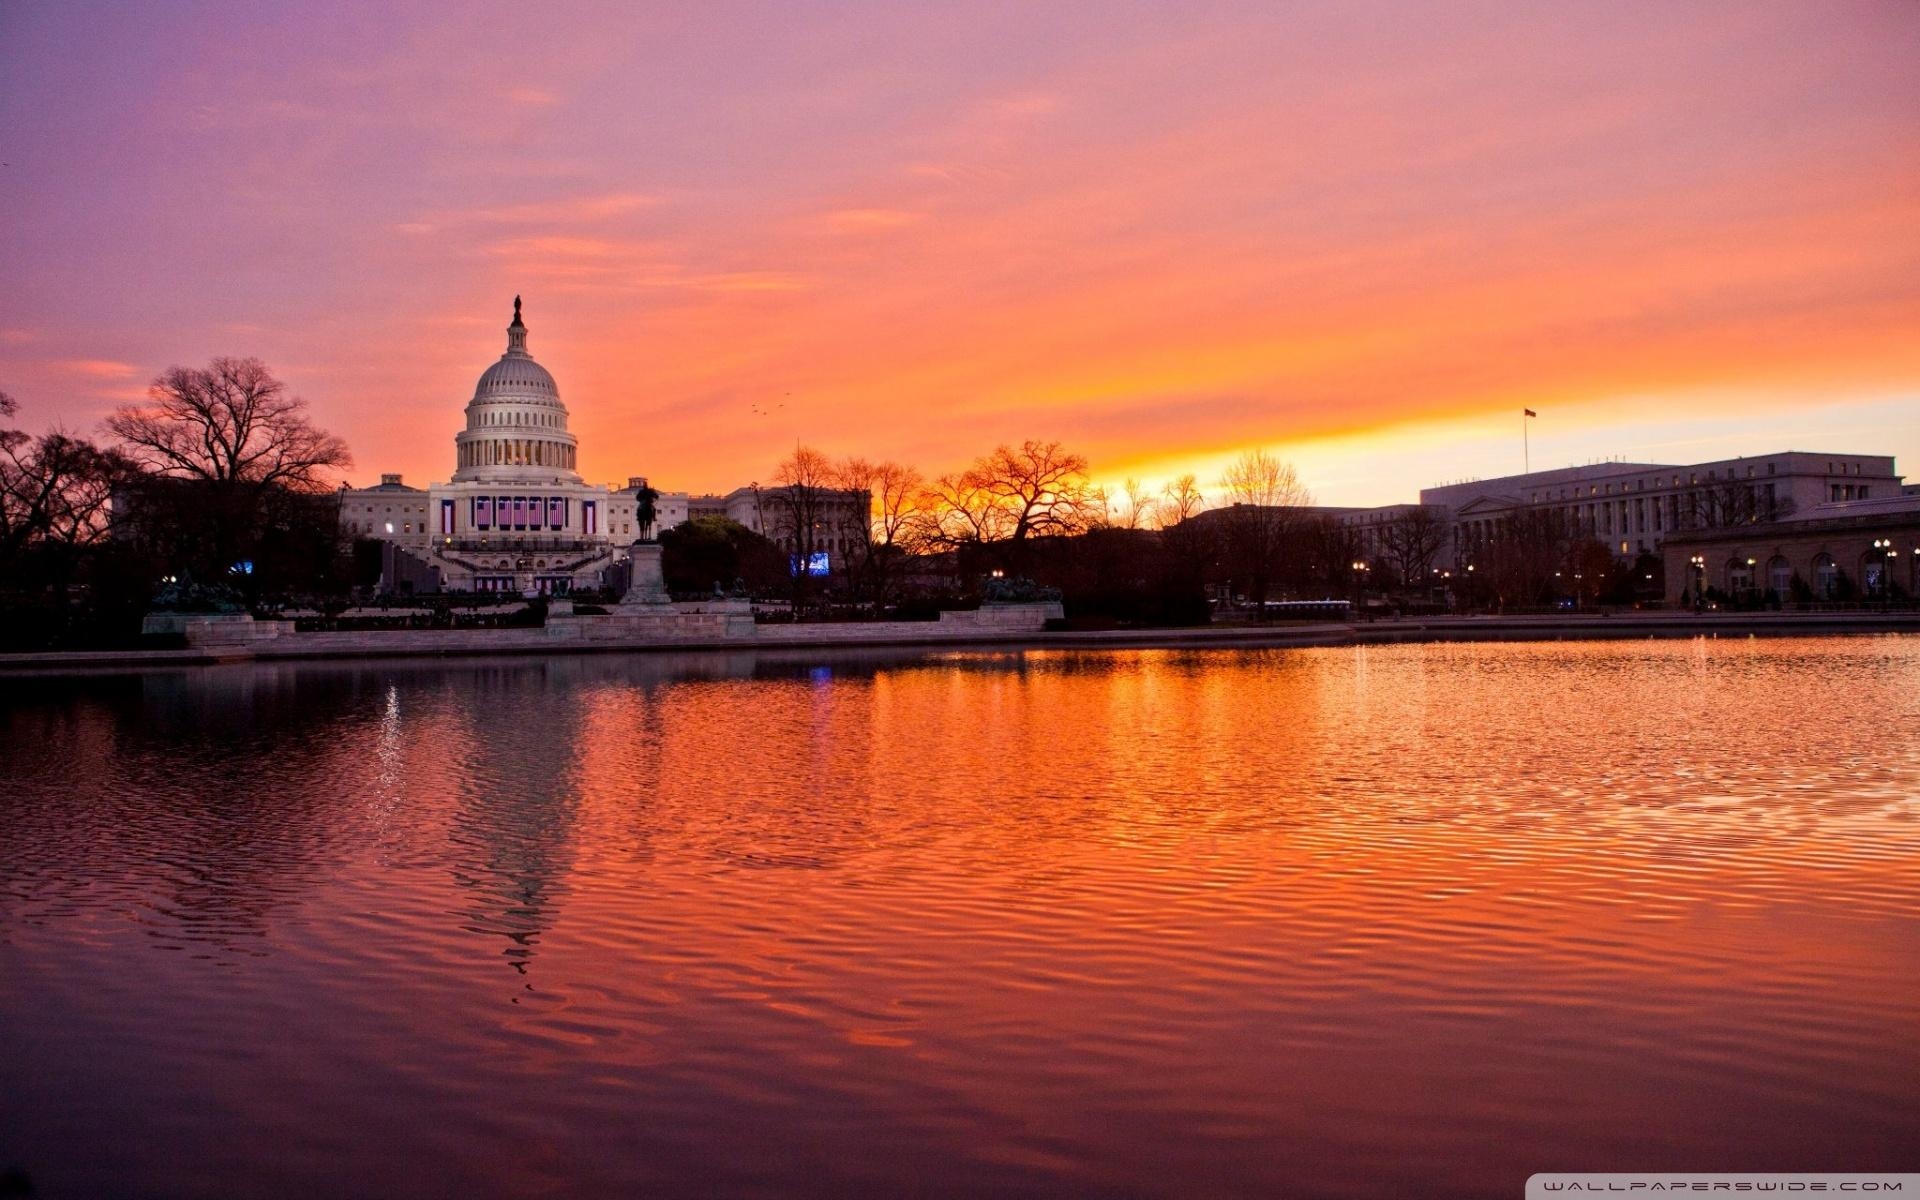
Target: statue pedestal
(648,589)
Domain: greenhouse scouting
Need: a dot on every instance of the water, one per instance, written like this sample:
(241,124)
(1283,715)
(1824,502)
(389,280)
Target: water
(1413,920)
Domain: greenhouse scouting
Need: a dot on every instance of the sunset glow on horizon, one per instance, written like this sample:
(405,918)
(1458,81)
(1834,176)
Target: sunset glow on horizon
(1361,234)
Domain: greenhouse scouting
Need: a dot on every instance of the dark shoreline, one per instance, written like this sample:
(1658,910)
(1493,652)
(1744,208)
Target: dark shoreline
(492,643)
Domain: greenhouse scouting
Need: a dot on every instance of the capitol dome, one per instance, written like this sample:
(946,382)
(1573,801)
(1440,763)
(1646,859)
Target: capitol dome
(517,377)
(516,425)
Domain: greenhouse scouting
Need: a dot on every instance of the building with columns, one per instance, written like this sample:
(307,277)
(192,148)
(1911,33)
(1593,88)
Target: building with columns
(1632,508)
(516,516)
(1843,550)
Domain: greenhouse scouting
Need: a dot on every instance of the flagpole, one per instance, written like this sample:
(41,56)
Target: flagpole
(1526,449)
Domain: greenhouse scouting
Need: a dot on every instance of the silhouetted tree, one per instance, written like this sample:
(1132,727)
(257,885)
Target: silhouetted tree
(798,513)
(1412,538)
(882,535)
(1518,562)
(1268,507)
(235,485)
(54,489)
(1324,551)
(964,512)
(1180,501)
(1041,486)
(1725,503)
(229,422)
(55,492)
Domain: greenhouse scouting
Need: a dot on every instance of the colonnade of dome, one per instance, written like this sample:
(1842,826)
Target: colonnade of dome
(516,422)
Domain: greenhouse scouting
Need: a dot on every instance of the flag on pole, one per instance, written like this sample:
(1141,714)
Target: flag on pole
(1529,412)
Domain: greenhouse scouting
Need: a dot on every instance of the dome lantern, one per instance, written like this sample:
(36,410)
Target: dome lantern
(516,332)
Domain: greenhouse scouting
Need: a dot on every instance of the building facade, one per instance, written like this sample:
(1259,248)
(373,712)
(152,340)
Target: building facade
(516,515)
(1832,521)
(1633,508)
(1847,550)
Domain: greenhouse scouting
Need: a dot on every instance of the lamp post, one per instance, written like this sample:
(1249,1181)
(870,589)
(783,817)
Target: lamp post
(1359,584)
(1699,562)
(1883,547)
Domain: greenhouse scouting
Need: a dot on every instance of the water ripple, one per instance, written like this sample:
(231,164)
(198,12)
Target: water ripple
(1315,923)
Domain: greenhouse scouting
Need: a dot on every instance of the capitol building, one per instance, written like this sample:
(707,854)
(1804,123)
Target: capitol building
(517,517)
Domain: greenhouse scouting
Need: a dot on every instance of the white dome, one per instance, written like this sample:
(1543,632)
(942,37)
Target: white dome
(516,425)
(516,377)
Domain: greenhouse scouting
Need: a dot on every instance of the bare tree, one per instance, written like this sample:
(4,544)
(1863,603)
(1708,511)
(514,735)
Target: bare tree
(1139,509)
(1268,507)
(230,422)
(55,495)
(1725,503)
(1526,548)
(1042,486)
(1180,501)
(1412,538)
(232,465)
(1098,511)
(1326,549)
(54,489)
(17,510)
(1190,547)
(964,512)
(798,513)
(889,524)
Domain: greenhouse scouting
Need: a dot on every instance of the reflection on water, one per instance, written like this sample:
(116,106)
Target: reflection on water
(1329,922)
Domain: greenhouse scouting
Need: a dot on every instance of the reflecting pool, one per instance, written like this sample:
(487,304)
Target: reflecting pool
(1413,920)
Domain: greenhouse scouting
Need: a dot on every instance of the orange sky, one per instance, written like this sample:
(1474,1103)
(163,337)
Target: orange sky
(1362,234)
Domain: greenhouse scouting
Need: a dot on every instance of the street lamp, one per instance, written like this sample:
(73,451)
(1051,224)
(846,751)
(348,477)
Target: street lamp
(1886,551)
(1699,562)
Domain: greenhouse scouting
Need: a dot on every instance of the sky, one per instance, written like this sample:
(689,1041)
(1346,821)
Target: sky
(1362,235)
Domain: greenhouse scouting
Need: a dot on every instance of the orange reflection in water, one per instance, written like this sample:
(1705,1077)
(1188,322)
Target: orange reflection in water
(1322,923)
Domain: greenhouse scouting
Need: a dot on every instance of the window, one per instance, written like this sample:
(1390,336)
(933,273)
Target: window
(1826,577)
(1779,577)
(1740,576)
